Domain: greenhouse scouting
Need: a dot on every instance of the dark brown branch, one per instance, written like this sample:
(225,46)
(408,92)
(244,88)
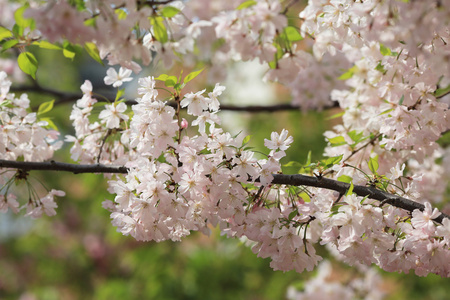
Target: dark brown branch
(64,97)
(60,166)
(297,180)
(360,190)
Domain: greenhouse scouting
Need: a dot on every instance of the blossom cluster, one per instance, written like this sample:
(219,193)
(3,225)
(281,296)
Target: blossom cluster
(24,137)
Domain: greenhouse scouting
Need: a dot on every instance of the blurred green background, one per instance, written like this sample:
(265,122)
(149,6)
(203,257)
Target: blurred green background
(79,255)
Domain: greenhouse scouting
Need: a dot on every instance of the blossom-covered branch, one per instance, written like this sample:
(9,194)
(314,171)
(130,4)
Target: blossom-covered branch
(360,190)
(296,180)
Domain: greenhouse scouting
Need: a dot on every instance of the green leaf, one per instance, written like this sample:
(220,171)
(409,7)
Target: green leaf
(159,29)
(45,107)
(333,160)
(293,214)
(349,73)
(355,135)
(28,63)
(279,54)
(90,22)
(400,102)
(21,21)
(47,45)
(305,196)
(292,34)
(308,159)
(17,30)
(380,68)
(442,91)
(69,50)
(169,11)
(92,50)
(5,33)
(386,111)
(170,81)
(192,75)
(162,77)
(119,94)
(246,4)
(246,140)
(336,115)
(385,51)
(337,141)
(9,44)
(121,14)
(373,164)
(345,178)
(50,123)
(350,189)
(292,164)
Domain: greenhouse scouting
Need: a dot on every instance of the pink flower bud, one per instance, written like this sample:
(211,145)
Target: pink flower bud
(184,124)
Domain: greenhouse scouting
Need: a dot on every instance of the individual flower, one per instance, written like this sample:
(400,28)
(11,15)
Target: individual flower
(112,114)
(396,171)
(195,102)
(279,141)
(117,79)
(424,219)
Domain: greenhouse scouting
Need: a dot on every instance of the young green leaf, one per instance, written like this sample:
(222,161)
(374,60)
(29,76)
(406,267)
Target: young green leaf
(373,164)
(5,33)
(169,11)
(349,73)
(305,196)
(20,20)
(28,63)
(121,14)
(337,141)
(92,50)
(119,94)
(9,44)
(340,114)
(162,77)
(192,75)
(246,4)
(170,81)
(69,50)
(292,34)
(345,178)
(50,123)
(331,161)
(47,45)
(45,107)
(293,164)
(159,29)
(385,51)
(308,159)
(380,68)
(246,140)
(355,136)
(442,91)
(293,214)
(350,189)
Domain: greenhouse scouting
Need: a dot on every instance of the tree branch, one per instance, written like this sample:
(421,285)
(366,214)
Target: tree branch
(297,180)
(64,97)
(60,166)
(360,190)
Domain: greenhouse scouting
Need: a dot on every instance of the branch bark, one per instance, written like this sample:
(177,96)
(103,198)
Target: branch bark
(65,97)
(297,180)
